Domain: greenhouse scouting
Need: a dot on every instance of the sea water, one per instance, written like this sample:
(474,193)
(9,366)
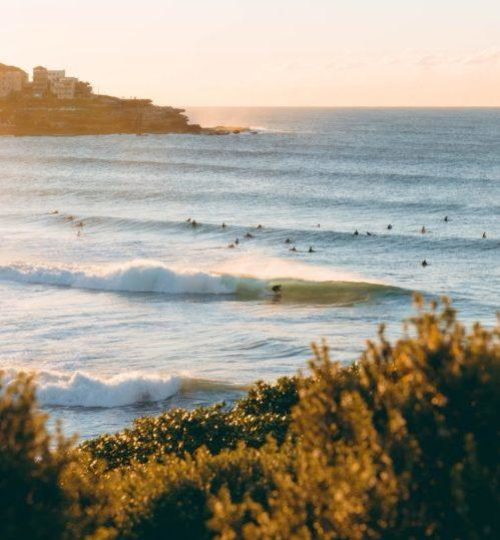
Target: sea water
(123,308)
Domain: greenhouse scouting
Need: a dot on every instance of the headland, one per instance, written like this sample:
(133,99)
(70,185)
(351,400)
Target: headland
(54,104)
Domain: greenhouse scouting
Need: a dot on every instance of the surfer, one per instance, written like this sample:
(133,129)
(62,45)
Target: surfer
(356,233)
(368,233)
(224,225)
(188,220)
(389,227)
(237,241)
(423,230)
(446,219)
(311,250)
(249,235)
(276,289)
(259,226)
(484,235)
(194,223)
(293,248)
(288,241)
(425,263)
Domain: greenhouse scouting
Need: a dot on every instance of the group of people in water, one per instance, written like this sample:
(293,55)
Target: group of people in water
(293,248)
(249,236)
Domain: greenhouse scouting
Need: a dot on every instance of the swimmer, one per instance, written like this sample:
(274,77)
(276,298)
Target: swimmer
(259,226)
(249,235)
(368,233)
(311,250)
(224,225)
(446,219)
(425,263)
(423,230)
(293,248)
(356,233)
(389,227)
(484,235)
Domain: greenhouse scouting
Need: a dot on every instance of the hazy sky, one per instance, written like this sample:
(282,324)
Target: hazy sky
(266,52)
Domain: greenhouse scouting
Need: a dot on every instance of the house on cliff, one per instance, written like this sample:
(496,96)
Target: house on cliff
(12,79)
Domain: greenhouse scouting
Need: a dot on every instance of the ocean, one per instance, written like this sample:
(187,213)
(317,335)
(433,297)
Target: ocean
(123,308)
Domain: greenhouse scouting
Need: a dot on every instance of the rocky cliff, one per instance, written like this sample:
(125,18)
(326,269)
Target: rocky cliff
(22,114)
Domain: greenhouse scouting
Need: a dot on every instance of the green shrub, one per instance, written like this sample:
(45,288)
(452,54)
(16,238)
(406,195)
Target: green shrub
(264,411)
(403,446)
(174,496)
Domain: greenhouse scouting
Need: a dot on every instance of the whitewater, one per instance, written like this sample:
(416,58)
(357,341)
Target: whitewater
(312,229)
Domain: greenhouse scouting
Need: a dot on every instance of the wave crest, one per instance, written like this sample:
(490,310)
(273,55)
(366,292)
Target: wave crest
(299,283)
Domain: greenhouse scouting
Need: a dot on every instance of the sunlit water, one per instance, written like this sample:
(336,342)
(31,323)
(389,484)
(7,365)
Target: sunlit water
(123,308)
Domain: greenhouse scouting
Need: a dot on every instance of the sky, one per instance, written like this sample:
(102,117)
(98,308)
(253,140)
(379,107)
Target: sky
(266,52)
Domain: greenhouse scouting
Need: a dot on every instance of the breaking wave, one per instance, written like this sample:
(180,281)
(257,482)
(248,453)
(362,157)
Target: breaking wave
(298,282)
(80,389)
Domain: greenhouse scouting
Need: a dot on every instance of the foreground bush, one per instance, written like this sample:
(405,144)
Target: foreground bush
(264,411)
(402,445)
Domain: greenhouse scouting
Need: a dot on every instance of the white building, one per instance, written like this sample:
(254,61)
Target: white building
(54,75)
(64,87)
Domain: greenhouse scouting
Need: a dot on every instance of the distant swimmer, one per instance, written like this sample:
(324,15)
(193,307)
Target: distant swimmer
(311,250)
(194,223)
(293,248)
(368,233)
(446,219)
(249,235)
(288,241)
(356,232)
(224,225)
(425,263)
(237,241)
(423,230)
(484,235)
(259,226)
(389,227)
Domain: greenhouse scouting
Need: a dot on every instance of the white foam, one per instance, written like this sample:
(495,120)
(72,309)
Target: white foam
(84,390)
(267,268)
(135,276)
